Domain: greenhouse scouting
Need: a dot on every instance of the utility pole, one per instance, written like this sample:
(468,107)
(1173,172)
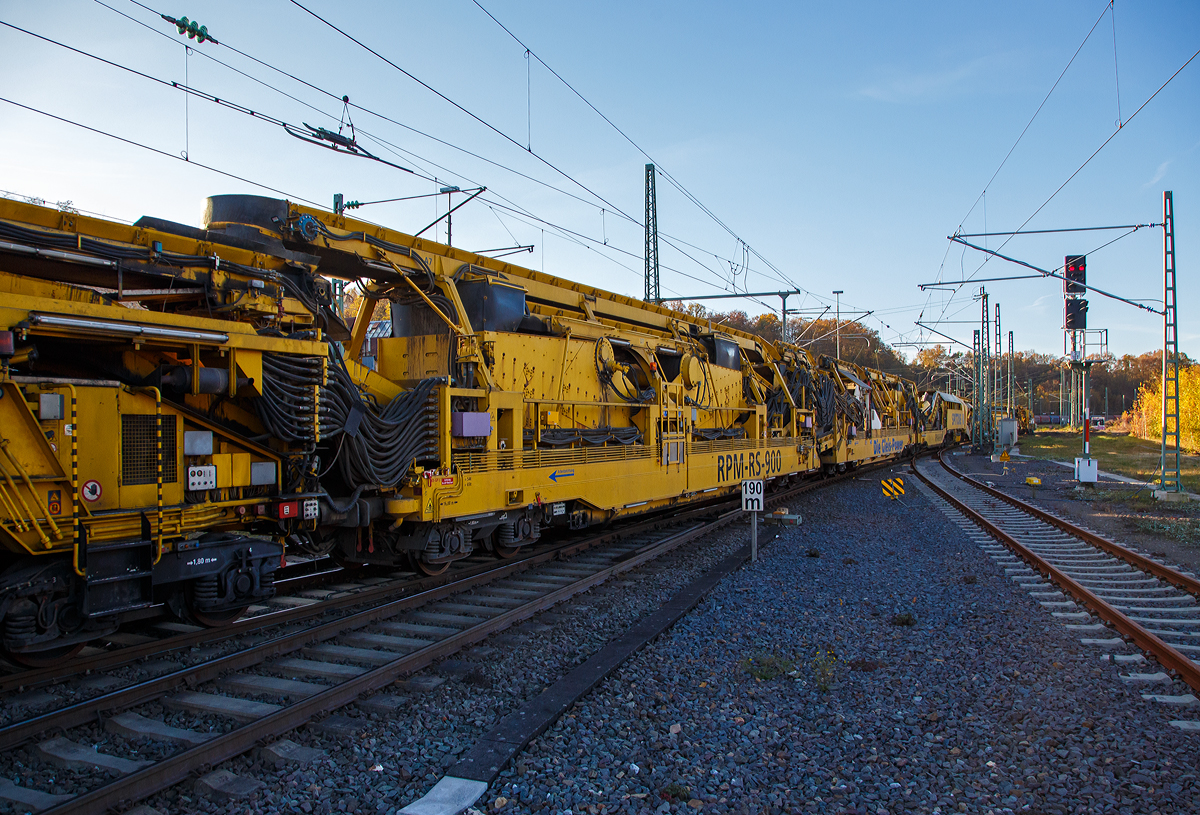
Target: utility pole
(985,407)
(653,290)
(837,326)
(1012,396)
(999,363)
(977,416)
(1172,487)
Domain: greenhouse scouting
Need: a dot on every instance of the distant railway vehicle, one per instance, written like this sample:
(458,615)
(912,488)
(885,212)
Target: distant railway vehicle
(179,406)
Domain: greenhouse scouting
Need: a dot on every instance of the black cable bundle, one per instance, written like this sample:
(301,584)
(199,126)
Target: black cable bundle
(595,436)
(289,384)
(914,407)
(375,446)
(850,407)
(824,399)
(819,392)
(714,433)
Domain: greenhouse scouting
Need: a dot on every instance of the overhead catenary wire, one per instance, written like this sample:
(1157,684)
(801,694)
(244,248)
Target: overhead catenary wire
(455,104)
(676,244)
(658,168)
(513,141)
(190,91)
(1105,143)
(208,167)
(1020,136)
(395,148)
(1029,124)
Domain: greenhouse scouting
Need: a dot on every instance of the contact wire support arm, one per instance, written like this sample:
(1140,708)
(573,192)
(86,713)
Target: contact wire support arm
(1056,275)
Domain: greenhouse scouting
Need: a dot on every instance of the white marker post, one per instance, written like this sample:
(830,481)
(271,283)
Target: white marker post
(752,502)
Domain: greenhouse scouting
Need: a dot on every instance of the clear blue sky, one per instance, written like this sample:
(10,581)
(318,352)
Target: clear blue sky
(842,145)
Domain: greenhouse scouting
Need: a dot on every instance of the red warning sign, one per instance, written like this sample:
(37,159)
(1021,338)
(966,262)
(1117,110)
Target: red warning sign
(91,491)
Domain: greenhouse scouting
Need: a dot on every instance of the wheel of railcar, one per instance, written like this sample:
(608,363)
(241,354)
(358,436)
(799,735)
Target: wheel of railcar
(216,619)
(202,590)
(505,552)
(430,569)
(504,542)
(45,659)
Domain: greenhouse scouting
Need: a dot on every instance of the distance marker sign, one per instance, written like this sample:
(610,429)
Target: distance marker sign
(752,496)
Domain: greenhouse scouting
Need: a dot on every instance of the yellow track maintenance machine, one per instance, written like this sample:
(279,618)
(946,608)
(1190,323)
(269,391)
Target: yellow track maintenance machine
(181,405)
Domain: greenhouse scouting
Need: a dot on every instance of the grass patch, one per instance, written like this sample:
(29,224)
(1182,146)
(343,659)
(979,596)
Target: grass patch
(1184,530)
(825,668)
(676,792)
(1124,455)
(766,666)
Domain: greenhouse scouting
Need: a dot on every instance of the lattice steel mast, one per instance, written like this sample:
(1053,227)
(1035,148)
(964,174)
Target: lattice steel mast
(653,290)
(1170,375)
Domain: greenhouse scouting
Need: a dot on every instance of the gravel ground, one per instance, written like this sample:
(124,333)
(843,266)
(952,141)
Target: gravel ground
(395,758)
(791,688)
(986,703)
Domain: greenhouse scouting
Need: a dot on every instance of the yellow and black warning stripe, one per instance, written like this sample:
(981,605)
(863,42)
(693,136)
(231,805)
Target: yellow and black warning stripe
(893,487)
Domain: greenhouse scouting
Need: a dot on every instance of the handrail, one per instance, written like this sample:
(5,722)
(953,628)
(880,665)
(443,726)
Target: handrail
(79,561)
(32,491)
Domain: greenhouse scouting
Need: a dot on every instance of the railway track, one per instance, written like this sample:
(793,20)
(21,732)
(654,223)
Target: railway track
(298,601)
(1148,603)
(282,679)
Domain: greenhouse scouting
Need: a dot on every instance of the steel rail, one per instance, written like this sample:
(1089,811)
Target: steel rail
(88,709)
(208,636)
(1176,578)
(1166,655)
(37,677)
(179,767)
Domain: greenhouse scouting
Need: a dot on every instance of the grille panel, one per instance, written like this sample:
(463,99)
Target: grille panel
(138,444)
